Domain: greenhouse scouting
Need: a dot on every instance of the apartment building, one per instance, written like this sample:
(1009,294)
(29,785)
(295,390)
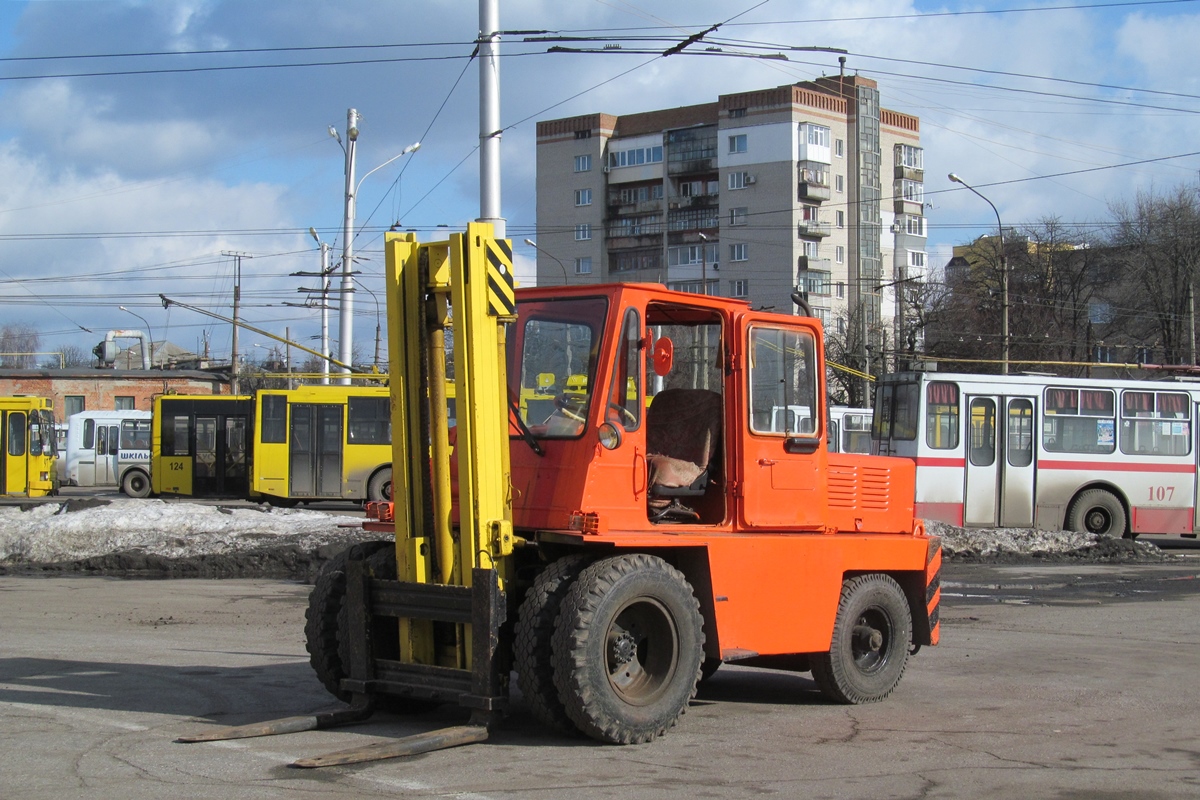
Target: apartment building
(810,186)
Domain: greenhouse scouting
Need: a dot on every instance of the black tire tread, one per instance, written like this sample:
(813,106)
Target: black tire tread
(532,648)
(375,487)
(1092,497)
(577,623)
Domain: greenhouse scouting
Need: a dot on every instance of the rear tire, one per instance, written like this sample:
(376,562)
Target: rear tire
(1098,511)
(627,649)
(871,638)
(534,633)
(379,489)
(136,483)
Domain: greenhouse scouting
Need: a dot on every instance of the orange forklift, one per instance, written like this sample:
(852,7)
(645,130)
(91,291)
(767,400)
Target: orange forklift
(617,547)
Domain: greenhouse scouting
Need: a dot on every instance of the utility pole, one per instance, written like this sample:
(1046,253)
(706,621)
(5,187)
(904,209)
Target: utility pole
(346,304)
(237,304)
(489,116)
(703,264)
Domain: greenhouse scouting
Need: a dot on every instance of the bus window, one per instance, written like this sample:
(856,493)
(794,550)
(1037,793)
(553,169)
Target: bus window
(896,410)
(370,420)
(1020,433)
(273,426)
(1079,421)
(175,436)
(1155,423)
(89,434)
(982,450)
(941,415)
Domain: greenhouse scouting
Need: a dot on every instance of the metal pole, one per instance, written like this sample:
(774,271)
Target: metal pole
(287,355)
(703,264)
(1003,274)
(237,304)
(346,304)
(325,314)
(489,116)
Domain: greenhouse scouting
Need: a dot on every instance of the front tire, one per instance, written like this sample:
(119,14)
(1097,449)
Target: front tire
(871,638)
(136,483)
(627,649)
(1099,512)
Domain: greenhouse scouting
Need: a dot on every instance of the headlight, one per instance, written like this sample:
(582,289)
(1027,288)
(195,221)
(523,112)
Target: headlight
(610,436)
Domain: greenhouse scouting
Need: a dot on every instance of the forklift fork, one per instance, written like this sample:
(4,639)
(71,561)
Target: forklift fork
(481,688)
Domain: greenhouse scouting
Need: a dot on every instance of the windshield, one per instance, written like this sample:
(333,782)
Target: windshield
(552,381)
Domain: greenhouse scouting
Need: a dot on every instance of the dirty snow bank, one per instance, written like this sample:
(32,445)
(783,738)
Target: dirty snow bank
(129,536)
(1014,544)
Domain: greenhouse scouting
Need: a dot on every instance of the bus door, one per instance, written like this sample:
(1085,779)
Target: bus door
(106,455)
(999,469)
(14,472)
(219,466)
(315,450)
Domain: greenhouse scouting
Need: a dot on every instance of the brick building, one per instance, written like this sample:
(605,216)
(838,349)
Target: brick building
(87,389)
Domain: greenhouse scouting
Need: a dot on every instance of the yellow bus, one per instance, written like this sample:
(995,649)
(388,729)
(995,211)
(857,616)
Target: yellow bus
(323,443)
(28,451)
(201,445)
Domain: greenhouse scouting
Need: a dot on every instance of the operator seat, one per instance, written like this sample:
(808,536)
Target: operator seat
(683,438)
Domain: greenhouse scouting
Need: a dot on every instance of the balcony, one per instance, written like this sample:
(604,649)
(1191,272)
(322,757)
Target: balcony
(814,229)
(616,208)
(909,174)
(806,264)
(809,190)
(692,166)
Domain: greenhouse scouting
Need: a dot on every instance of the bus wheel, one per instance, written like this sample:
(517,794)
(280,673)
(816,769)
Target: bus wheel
(1097,511)
(380,487)
(534,631)
(627,648)
(871,637)
(136,483)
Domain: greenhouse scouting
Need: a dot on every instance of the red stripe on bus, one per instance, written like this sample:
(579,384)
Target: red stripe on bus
(929,461)
(1116,466)
(1163,520)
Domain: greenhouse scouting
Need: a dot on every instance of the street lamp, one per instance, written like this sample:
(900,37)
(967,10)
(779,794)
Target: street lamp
(548,254)
(1003,274)
(324,290)
(149,332)
(703,263)
(346,304)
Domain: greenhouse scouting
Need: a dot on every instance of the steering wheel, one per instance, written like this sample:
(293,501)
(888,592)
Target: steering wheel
(569,407)
(624,413)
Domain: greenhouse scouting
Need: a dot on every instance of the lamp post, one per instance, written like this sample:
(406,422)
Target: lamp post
(703,264)
(1003,274)
(346,303)
(550,255)
(149,332)
(324,290)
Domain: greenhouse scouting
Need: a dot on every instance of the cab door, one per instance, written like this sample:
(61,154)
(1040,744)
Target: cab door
(106,455)
(980,495)
(782,482)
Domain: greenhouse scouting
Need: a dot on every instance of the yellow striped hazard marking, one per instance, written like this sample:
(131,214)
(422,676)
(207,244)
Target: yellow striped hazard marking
(502,297)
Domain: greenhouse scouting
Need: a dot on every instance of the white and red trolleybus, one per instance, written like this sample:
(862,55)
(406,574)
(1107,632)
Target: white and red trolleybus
(1115,457)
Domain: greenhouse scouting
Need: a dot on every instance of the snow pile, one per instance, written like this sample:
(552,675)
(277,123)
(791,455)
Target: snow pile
(1000,544)
(57,532)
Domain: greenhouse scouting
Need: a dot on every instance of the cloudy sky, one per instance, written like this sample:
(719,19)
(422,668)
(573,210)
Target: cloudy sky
(143,140)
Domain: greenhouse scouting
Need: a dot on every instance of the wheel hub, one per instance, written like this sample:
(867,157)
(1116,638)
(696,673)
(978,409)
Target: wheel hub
(623,649)
(867,638)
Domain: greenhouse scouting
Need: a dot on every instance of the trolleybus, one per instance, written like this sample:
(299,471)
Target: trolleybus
(28,449)
(1113,457)
(201,445)
(850,430)
(109,448)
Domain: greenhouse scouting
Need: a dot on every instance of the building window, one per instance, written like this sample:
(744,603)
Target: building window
(839,254)
(909,156)
(916,258)
(737,143)
(911,191)
(839,218)
(583,134)
(639,225)
(839,183)
(839,148)
(583,266)
(810,213)
(698,188)
(636,156)
(739,252)
(583,163)
(737,216)
(818,135)
(124,403)
(812,250)
(815,282)
(739,288)
(740,180)
(737,113)
(628,195)
(914,225)
(841,325)
(840,290)
(583,197)
(631,260)
(692,254)
(583,232)
(72,404)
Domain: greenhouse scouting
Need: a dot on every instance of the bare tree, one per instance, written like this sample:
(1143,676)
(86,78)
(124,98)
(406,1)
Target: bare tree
(18,343)
(1156,244)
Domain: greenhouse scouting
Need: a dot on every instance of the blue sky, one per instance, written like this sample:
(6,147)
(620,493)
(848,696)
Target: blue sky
(115,187)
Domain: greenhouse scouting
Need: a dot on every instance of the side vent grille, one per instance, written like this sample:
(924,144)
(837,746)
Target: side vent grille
(862,487)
